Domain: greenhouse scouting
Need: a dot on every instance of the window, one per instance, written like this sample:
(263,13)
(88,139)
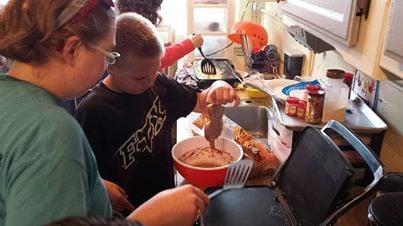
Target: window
(173,13)
(212,19)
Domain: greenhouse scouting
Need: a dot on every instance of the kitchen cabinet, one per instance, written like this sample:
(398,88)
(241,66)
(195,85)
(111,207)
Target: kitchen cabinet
(365,54)
(213,20)
(338,20)
(392,55)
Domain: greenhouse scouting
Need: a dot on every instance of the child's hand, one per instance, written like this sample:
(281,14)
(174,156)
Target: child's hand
(221,93)
(118,197)
(197,40)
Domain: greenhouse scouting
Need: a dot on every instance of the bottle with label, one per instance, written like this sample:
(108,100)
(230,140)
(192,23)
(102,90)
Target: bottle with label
(291,106)
(309,88)
(336,99)
(301,109)
(314,106)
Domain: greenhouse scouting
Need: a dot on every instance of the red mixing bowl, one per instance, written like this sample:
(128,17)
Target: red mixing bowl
(200,176)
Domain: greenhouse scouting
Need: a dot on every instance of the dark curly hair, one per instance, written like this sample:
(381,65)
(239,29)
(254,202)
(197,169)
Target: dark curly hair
(147,8)
(93,221)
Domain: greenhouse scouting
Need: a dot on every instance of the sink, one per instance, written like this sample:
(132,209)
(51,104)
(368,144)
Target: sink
(252,118)
(256,118)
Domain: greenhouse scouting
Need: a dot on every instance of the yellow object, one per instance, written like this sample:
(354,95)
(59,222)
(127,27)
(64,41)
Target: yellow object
(245,92)
(255,93)
(240,87)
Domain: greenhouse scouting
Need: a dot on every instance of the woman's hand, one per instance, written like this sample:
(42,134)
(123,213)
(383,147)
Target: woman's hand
(118,197)
(178,206)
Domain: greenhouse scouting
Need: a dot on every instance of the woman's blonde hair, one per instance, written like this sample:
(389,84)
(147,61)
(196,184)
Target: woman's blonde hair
(137,36)
(30,31)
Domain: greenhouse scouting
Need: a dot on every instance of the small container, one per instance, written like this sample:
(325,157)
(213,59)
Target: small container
(291,106)
(314,106)
(301,109)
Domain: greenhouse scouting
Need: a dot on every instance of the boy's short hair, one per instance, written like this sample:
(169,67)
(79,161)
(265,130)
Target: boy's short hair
(137,36)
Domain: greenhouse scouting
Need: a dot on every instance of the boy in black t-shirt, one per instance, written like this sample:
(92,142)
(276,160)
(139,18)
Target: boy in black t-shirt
(129,116)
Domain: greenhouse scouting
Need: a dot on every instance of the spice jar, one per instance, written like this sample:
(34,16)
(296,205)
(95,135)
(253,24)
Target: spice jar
(310,88)
(301,109)
(314,106)
(291,106)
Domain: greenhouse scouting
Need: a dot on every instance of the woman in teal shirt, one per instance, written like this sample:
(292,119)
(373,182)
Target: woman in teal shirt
(59,50)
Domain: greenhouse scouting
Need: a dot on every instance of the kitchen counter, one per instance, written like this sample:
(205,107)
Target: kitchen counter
(360,118)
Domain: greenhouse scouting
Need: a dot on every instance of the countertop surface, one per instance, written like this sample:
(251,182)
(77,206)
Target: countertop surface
(359,117)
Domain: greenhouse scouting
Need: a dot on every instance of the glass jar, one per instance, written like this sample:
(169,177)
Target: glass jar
(314,106)
(310,88)
(336,100)
(291,106)
(301,109)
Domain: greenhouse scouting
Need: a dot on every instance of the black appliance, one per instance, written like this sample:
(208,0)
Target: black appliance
(266,60)
(310,189)
(293,63)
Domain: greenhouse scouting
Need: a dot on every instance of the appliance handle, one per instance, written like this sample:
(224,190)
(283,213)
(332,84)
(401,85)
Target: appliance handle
(369,157)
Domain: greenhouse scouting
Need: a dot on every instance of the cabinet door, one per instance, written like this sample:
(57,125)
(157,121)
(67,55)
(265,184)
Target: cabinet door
(337,20)
(394,40)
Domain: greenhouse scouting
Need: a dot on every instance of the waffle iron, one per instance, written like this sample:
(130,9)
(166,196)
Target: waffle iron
(304,192)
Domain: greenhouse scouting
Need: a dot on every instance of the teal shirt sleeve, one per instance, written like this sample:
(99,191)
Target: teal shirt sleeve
(59,178)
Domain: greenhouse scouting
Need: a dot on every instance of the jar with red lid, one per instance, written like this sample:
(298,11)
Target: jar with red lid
(291,106)
(310,88)
(314,106)
(301,109)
